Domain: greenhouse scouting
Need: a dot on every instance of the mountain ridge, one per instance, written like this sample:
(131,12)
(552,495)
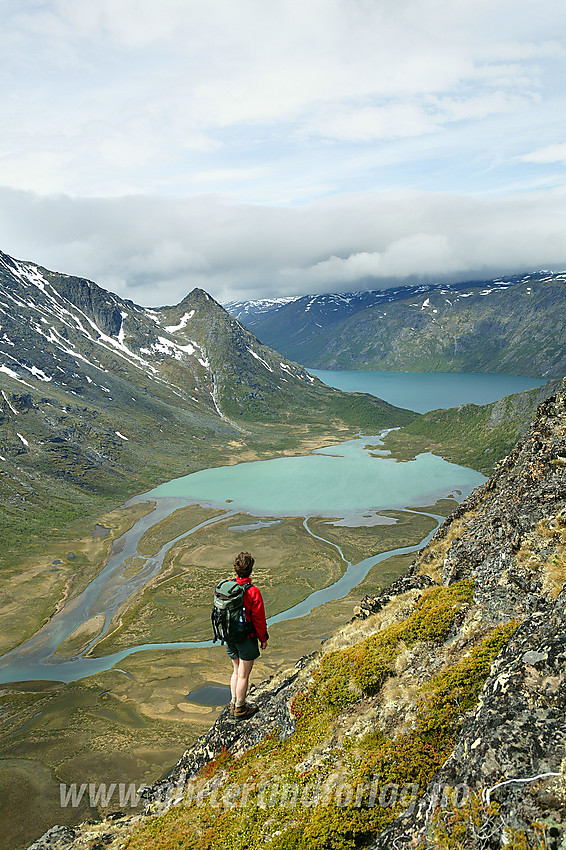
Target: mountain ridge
(101,398)
(510,325)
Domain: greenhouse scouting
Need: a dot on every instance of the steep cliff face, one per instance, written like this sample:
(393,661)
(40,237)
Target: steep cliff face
(510,753)
(435,719)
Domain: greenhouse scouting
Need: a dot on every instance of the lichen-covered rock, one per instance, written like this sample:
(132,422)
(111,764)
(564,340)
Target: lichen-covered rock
(512,750)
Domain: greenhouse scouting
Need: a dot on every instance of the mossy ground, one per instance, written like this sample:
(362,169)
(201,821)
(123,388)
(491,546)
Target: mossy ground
(288,816)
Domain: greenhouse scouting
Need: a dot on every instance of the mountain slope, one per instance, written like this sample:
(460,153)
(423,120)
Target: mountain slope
(101,398)
(513,325)
(472,435)
(435,719)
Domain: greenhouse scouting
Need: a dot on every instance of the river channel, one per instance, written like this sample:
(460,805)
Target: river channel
(352,481)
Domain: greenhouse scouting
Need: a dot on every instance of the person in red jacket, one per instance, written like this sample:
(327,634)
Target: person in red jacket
(244,652)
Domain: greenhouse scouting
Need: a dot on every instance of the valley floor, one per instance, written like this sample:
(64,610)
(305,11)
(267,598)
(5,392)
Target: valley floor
(129,725)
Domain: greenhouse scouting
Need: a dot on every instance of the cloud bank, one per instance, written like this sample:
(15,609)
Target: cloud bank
(155,250)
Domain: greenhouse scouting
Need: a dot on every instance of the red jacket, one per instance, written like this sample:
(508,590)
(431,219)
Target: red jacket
(254,609)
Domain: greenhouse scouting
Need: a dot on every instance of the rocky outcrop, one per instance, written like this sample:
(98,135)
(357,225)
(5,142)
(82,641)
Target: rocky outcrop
(511,751)
(509,536)
(95,302)
(491,535)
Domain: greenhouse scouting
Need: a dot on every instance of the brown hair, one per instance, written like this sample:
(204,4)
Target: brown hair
(243,565)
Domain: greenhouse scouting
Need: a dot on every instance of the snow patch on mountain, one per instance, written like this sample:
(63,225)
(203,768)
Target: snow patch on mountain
(183,322)
(261,360)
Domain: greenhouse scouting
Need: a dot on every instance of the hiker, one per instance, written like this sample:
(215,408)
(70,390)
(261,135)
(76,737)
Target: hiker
(244,652)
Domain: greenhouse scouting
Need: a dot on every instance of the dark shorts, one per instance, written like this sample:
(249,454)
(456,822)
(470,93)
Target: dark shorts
(247,649)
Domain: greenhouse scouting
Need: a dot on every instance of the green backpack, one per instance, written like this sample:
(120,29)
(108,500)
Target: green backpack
(229,622)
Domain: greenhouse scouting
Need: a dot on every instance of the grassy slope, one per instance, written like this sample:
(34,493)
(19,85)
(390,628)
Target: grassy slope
(472,435)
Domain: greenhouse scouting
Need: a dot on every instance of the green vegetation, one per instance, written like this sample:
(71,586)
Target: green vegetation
(328,822)
(451,829)
(344,676)
(290,563)
(471,435)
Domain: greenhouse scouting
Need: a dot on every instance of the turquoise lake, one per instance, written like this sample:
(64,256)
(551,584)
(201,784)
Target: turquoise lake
(423,391)
(341,481)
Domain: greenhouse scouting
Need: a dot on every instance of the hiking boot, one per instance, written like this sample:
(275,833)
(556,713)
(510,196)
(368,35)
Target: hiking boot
(242,712)
(232,708)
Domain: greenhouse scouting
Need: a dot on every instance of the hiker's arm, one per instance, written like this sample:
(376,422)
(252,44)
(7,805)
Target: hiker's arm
(257,614)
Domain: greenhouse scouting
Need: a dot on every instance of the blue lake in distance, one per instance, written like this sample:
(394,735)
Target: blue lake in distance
(424,391)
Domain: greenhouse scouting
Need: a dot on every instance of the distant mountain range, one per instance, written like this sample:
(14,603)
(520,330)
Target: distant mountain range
(249,313)
(513,325)
(101,398)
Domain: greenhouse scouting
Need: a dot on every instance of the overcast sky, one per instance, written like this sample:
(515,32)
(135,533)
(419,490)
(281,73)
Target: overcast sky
(276,147)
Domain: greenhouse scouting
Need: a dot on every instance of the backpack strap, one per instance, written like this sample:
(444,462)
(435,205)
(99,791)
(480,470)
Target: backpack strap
(245,586)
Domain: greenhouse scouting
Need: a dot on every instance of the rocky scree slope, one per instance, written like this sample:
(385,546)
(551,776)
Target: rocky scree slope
(441,706)
(511,325)
(101,398)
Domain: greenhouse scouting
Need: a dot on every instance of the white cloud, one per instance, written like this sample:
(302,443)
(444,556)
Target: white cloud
(229,175)
(155,250)
(419,253)
(547,154)
(137,96)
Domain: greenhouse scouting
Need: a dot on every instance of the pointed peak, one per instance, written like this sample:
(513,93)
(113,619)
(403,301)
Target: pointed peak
(195,296)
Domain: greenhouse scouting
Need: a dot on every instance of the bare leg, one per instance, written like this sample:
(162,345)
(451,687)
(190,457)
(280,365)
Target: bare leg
(234,679)
(244,670)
